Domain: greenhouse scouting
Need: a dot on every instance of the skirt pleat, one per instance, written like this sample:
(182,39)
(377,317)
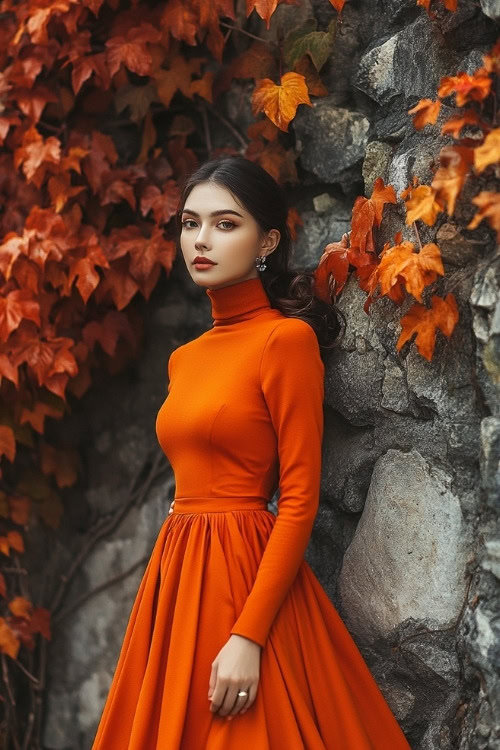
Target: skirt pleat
(315,690)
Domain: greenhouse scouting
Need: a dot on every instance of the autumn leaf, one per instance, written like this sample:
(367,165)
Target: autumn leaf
(15,307)
(84,268)
(265,9)
(40,622)
(255,62)
(367,213)
(331,273)
(20,606)
(131,50)
(179,20)
(19,508)
(63,464)
(450,177)
(107,331)
(263,129)
(7,442)
(424,204)
(36,155)
(426,113)
(489,208)
(315,86)
(85,67)
(280,102)
(467,88)
(424,322)
(163,203)
(9,644)
(455,123)
(416,270)
(177,77)
(137,98)
(488,152)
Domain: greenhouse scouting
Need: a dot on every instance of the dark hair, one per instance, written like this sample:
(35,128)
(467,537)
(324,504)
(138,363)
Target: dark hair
(290,291)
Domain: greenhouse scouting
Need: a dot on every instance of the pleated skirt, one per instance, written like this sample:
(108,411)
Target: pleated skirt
(315,690)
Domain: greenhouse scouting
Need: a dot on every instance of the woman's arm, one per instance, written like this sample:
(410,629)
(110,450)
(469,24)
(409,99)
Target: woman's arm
(292,380)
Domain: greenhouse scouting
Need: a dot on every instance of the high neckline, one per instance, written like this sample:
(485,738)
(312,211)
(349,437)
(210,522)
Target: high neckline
(239,301)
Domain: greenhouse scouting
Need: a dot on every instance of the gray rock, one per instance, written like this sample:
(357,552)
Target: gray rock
(331,140)
(408,555)
(491,8)
(397,65)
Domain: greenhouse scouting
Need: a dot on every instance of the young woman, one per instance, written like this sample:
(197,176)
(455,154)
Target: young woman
(232,643)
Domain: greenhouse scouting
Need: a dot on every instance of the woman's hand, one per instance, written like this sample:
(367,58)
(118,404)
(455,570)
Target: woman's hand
(236,667)
(171,509)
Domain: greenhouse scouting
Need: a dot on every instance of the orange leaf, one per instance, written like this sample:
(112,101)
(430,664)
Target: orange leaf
(424,204)
(366,213)
(488,152)
(315,86)
(203,86)
(450,177)
(416,269)
(20,607)
(20,508)
(423,322)
(331,273)
(489,208)
(36,155)
(426,113)
(131,50)
(9,644)
(265,9)
(280,102)
(63,464)
(40,622)
(177,77)
(163,203)
(475,87)
(16,306)
(455,123)
(7,442)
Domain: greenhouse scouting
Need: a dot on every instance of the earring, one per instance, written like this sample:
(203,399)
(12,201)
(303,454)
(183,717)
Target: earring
(261,262)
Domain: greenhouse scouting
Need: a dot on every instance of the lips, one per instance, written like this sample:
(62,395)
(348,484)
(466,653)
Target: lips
(203,261)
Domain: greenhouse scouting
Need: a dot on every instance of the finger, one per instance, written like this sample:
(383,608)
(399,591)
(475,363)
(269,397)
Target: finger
(213,679)
(229,700)
(252,692)
(218,697)
(241,702)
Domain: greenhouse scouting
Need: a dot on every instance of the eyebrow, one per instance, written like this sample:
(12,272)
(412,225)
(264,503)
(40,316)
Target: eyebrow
(214,213)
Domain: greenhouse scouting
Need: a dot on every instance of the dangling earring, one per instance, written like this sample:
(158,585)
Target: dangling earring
(261,262)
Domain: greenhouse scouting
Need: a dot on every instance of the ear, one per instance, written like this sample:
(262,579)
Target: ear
(271,241)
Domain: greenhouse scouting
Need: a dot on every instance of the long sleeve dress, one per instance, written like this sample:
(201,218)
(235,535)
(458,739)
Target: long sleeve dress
(243,417)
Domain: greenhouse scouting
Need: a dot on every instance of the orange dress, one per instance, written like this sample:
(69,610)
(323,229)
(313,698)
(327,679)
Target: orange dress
(243,417)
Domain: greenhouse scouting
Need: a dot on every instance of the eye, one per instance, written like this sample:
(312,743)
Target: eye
(226,221)
(184,223)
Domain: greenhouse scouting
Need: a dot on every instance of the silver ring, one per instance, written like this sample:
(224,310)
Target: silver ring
(242,693)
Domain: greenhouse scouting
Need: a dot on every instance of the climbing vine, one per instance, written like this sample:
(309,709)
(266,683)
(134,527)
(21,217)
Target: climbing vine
(105,106)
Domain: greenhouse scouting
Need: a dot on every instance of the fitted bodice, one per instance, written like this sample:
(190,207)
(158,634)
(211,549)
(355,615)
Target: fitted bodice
(214,426)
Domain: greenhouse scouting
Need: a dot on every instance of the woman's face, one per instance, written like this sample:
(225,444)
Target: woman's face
(215,227)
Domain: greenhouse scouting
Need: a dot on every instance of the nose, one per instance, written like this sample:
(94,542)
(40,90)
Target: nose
(202,238)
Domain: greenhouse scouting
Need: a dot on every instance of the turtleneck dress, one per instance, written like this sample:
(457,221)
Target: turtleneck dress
(241,421)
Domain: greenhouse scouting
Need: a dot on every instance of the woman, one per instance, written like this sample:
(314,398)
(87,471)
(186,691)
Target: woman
(232,643)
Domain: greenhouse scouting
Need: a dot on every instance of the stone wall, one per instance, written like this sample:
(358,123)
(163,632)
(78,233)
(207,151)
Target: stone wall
(406,540)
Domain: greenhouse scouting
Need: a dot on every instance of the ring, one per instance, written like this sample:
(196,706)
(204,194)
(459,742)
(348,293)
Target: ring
(242,693)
